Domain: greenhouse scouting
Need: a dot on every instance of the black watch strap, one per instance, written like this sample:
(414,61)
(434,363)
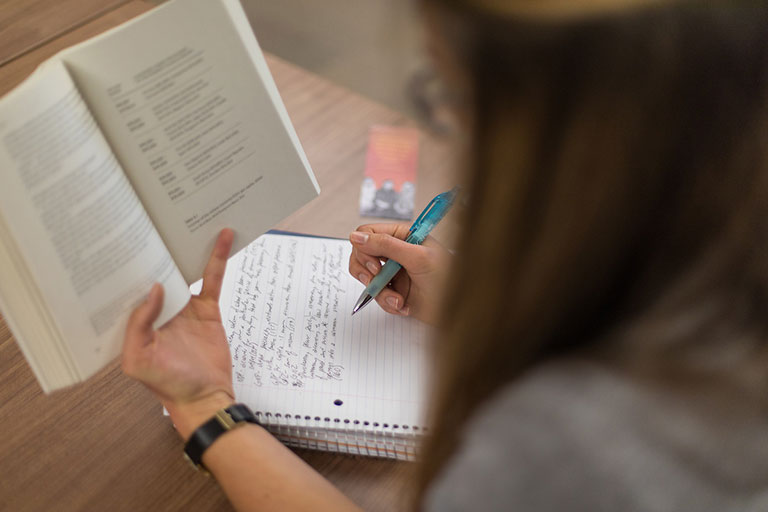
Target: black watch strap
(223,421)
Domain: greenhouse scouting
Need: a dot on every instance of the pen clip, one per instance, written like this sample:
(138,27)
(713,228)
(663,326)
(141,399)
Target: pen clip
(445,197)
(423,214)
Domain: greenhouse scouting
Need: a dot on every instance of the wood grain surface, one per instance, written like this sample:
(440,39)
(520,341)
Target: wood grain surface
(27,24)
(104,444)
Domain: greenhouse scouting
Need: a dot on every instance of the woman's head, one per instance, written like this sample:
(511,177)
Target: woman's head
(616,149)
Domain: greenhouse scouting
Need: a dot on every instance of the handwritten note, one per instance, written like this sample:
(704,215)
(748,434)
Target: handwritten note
(286,304)
(269,345)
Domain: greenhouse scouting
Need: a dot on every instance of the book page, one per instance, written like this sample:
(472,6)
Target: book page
(196,123)
(286,305)
(85,237)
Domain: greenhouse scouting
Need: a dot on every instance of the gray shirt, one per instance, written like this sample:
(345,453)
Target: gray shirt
(579,435)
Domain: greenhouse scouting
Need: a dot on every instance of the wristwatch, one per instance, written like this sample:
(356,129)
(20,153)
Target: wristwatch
(224,420)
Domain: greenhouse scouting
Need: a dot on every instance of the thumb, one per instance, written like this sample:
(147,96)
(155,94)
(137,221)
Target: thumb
(139,330)
(382,245)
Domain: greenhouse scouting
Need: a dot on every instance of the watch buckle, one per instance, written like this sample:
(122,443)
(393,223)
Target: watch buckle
(225,419)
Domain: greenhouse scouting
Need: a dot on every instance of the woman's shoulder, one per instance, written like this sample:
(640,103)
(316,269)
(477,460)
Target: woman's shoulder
(579,434)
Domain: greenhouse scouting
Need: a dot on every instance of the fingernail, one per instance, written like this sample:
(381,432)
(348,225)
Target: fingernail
(406,311)
(358,237)
(370,266)
(363,278)
(394,302)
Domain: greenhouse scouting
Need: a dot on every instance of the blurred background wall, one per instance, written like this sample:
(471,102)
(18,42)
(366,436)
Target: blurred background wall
(370,46)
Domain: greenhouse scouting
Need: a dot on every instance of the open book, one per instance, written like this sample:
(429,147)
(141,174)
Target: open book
(120,160)
(314,375)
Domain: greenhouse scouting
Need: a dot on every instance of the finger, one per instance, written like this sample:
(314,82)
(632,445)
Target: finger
(392,229)
(392,302)
(400,231)
(394,298)
(371,263)
(401,283)
(431,241)
(217,265)
(388,246)
(142,318)
(138,332)
(396,294)
(359,272)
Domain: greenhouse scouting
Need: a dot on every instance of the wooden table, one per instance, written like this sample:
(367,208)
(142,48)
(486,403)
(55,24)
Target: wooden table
(104,445)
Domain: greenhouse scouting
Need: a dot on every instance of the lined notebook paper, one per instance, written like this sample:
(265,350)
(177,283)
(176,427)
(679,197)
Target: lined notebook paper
(315,375)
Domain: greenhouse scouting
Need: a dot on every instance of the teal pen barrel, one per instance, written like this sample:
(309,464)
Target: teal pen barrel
(380,280)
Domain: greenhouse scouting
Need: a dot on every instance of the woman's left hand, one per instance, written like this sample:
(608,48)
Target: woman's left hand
(186,362)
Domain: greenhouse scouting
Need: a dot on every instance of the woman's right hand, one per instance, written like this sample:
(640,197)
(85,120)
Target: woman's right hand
(417,289)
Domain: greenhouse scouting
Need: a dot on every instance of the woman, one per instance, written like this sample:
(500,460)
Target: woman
(602,341)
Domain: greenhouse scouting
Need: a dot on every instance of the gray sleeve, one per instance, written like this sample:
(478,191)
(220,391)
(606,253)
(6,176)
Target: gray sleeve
(516,455)
(573,437)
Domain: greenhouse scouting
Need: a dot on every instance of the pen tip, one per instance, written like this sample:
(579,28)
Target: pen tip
(361,302)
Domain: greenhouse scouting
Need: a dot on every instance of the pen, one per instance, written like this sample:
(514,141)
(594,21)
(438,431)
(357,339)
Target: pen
(422,226)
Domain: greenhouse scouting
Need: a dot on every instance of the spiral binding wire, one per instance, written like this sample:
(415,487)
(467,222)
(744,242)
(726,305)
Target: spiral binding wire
(353,437)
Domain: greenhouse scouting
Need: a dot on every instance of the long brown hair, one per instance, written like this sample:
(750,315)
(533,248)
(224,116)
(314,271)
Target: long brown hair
(612,154)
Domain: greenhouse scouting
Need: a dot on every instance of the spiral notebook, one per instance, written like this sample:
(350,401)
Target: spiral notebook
(316,376)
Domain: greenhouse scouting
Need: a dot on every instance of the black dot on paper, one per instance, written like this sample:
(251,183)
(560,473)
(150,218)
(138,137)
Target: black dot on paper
(375,424)
(366,423)
(346,421)
(317,418)
(337,402)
